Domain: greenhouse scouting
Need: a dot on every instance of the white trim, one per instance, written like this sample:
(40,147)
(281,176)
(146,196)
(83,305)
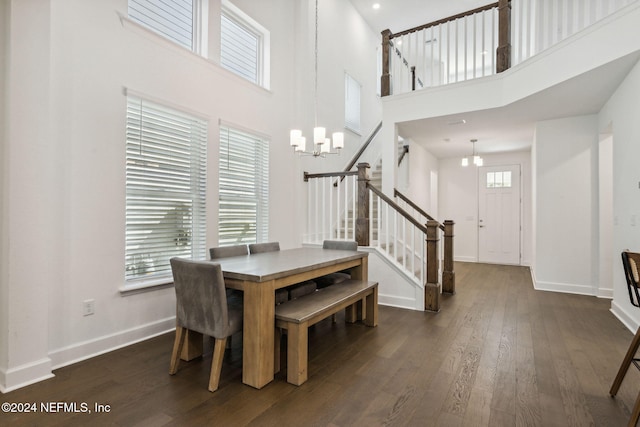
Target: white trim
(624,317)
(567,288)
(25,374)
(91,348)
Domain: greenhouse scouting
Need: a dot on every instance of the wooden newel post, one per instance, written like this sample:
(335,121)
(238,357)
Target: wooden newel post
(432,287)
(448,275)
(385,78)
(362,220)
(503,61)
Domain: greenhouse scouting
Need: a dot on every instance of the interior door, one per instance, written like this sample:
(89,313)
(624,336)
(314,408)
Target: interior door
(499,214)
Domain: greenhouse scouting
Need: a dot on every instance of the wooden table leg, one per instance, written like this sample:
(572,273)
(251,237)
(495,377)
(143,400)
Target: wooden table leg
(258,334)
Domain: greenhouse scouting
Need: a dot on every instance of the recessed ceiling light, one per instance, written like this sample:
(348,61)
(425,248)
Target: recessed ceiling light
(376,6)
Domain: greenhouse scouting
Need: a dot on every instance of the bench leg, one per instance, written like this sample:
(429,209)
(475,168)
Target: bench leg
(371,318)
(297,353)
(277,339)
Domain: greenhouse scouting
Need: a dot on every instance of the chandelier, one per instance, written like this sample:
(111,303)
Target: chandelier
(477,160)
(321,143)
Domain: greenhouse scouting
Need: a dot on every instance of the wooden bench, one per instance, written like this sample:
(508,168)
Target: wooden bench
(297,315)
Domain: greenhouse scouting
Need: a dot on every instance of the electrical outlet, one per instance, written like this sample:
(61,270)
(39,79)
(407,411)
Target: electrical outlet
(88,307)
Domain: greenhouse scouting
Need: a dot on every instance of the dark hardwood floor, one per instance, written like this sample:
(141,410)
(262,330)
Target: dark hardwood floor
(498,354)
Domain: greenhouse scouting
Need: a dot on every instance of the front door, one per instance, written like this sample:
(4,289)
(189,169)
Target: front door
(499,214)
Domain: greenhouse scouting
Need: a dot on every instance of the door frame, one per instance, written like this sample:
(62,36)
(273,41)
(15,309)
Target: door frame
(480,182)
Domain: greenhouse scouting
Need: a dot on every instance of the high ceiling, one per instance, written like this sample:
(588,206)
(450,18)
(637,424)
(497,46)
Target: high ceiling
(399,15)
(503,129)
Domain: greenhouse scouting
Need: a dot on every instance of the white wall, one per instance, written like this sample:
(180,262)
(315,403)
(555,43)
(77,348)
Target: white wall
(345,44)
(620,115)
(31,203)
(566,205)
(63,177)
(4,290)
(415,175)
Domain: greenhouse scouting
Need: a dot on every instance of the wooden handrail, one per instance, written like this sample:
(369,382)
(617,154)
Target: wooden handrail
(421,211)
(445,20)
(405,150)
(364,146)
(503,53)
(397,208)
(308,175)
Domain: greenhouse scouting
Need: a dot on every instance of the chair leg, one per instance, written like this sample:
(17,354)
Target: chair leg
(178,343)
(626,363)
(635,413)
(216,363)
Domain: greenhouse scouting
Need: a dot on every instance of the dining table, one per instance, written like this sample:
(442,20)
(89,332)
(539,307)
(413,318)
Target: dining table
(258,276)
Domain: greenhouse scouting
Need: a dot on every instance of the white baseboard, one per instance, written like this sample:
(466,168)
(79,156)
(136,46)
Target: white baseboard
(624,317)
(398,302)
(465,259)
(24,375)
(605,293)
(567,288)
(87,349)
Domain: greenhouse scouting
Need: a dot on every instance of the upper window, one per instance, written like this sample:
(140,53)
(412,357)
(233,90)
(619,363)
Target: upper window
(244,188)
(165,188)
(351,104)
(244,45)
(499,179)
(173,19)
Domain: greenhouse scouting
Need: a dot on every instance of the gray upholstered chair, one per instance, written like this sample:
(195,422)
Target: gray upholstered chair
(335,278)
(282,295)
(228,251)
(256,248)
(293,291)
(202,307)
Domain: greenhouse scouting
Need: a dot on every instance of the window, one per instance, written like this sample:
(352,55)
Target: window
(499,179)
(244,45)
(165,188)
(176,20)
(244,188)
(351,104)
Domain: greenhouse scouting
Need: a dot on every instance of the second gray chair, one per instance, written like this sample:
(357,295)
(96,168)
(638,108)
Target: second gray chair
(226,252)
(202,307)
(294,291)
(339,277)
(256,248)
(282,295)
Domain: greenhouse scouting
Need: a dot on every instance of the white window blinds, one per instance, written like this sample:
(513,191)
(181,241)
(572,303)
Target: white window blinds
(239,48)
(173,19)
(351,104)
(244,188)
(165,188)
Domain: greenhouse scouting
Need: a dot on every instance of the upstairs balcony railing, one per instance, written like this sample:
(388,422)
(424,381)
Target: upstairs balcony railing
(483,41)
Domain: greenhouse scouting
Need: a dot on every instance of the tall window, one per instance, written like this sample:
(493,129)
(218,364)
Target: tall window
(166,181)
(244,45)
(351,104)
(244,188)
(176,20)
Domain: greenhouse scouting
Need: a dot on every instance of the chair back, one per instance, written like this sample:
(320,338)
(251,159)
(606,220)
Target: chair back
(631,263)
(256,248)
(228,251)
(201,297)
(346,245)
